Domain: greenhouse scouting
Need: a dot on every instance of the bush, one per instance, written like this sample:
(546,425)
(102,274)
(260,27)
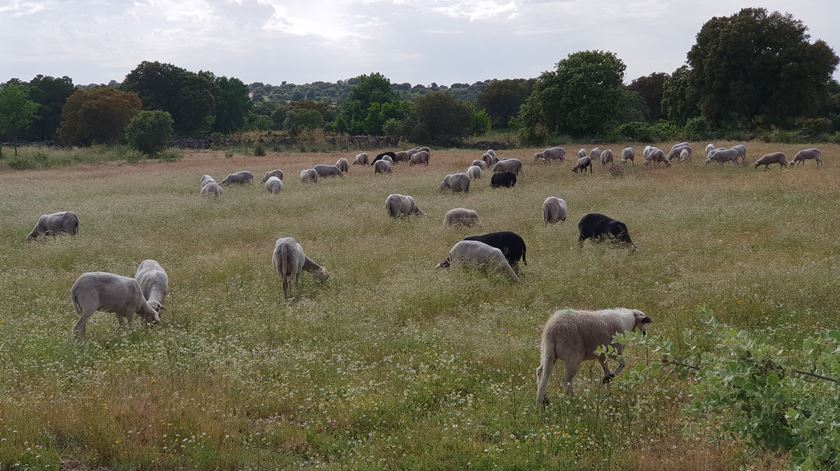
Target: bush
(259,150)
(36,160)
(97,116)
(640,131)
(150,131)
(698,129)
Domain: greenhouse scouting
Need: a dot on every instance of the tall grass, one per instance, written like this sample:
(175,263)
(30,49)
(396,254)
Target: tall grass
(41,157)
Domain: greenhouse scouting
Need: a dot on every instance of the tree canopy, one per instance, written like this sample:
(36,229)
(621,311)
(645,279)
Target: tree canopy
(503,98)
(650,88)
(97,116)
(17,110)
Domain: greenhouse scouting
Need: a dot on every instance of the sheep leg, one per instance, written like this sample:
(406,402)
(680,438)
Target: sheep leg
(543,375)
(572,367)
(602,359)
(619,355)
(285,288)
(79,327)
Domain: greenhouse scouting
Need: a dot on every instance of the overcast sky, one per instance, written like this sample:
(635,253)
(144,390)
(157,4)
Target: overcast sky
(417,41)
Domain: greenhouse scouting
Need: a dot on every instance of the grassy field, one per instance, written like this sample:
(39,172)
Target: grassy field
(391,364)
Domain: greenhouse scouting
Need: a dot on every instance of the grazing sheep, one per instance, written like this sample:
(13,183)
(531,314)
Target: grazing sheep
(238,178)
(421,157)
(506,180)
(327,171)
(721,156)
(552,153)
(488,160)
(154,283)
(573,336)
(205,179)
(628,153)
(460,217)
(479,255)
(289,260)
(389,154)
(401,156)
(808,154)
(510,243)
(581,153)
(598,228)
(582,164)
(606,157)
(772,158)
(742,153)
(554,210)
(685,155)
(387,158)
(212,189)
(677,152)
(680,144)
(343,165)
(361,159)
(99,291)
(274,173)
(66,222)
(382,166)
(508,165)
(491,152)
(308,175)
(709,147)
(479,163)
(474,172)
(426,149)
(595,154)
(401,205)
(274,185)
(656,156)
(456,182)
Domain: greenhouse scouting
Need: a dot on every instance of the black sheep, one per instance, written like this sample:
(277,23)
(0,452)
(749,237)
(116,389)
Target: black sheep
(389,154)
(510,243)
(599,227)
(505,179)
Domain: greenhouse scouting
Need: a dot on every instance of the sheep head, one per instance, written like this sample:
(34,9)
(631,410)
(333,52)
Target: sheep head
(642,321)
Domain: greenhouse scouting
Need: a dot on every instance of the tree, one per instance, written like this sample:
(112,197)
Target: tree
(441,119)
(232,104)
(365,110)
(502,100)
(150,131)
(50,94)
(679,97)
(17,110)
(97,116)
(650,88)
(300,119)
(758,64)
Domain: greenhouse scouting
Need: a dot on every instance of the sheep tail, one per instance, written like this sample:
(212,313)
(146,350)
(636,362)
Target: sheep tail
(76,304)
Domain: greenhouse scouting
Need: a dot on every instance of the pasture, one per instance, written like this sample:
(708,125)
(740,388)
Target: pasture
(392,364)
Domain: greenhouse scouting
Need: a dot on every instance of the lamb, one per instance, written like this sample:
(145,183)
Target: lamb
(238,178)
(273,173)
(510,243)
(342,165)
(552,153)
(361,159)
(326,171)
(598,228)
(212,189)
(154,283)
(274,185)
(460,217)
(401,205)
(389,154)
(99,291)
(807,154)
(772,158)
(628,153)
(508,165)
(722,156)
(606,157)
(595,154)
(554,210)
(479,255)
(506,180)
(382,166)
(308,175)
(474,172)
(456,182)
(573,336)
(421,157)
(66,222)
(479,163)
(289,260)
(582,164)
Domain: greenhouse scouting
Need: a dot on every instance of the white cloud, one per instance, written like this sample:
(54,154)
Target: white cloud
(19,8)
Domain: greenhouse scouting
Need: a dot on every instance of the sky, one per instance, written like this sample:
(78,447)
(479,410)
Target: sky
(416,41)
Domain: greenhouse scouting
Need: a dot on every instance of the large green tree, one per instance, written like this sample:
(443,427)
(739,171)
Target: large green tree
(680,98)
(232,104)
(50,93)
(503,98)
(441,119)
(17,110)
(369,104)
(150,131)
(650,88)
(97,115)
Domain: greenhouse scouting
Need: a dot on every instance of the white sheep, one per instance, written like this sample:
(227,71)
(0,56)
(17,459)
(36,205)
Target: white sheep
(212,189)
(361,159)
(595,154)
(552,153)
(807,154)
(154,283)
(474,172)
(401,156)
(772,158)
(238,178)
(488,160)
(421,157)
(99,291)
(479,163)
(382,166)
(742,153)
(685,155)
(606,156)
(573,336)
(63,222)
(628,154)
(289,261)
(327,171)
(460,217)
(709,148)
(581,153)
(401,205)
(456,182)
(554,210)
(471,253)
(308,175)
(513,166)
(343,165)
(387,158)
(722,156)
(205,179)
(274,185)
(273,173)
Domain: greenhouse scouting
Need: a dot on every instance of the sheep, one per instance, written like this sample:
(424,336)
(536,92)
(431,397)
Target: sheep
(628,153)
(238,178)
(510,243)
(721,156)
(460,217)
(205,179)
(508,165)
(401,205)
(421,157)
(412,151)
(66,222)
(426,149)
(554,210)
(382,166)
(598,228)
(772,158)
(595,154)
(274,185)
(308,175)
(680,144)
(573,336)
(742,153)
(606,157)
(506,180)
(488,160)
(552,153)
(581,153)
(401,156)
(327,171)
(474,172)
(273,173)
(685,155)
(289,260)
(491,152)
(212,189)
(361,159)
(656,156)
(456,182)
(479,255)
(582,164)
(709,148)
(343,165)
(154,283)
(100,291)
(677,151)
(479,163)
(808,154)
(389,154)
(387,158)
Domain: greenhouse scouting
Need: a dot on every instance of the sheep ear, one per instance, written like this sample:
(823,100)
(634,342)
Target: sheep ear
(646,320)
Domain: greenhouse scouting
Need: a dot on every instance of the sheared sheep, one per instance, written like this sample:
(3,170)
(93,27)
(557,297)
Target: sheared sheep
(582,164)
(479,255)
(772,158)
(154,283)
(238,178)
(361,159)
(474,172)
(308,175)
(598,228)
(606,157)
(510,243)
(554,210)
(628,153)
(274,185)
(807,154)
(64,222)
(456,182)
(289,260)
(401,205)
(343,165)
(418,158)
(503,180)
(212,189)
(508,165)
(552,153)
(99,291)
(273,173)
(382,166)
(327,171)
(460,217)
(573,336)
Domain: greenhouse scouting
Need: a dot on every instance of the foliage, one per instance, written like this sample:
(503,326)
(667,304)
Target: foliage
(441,119)
(17,110)
(41,157)
(698,128)
(232,104)
(640,131)
(97,116)
(50,93)
(503,98)
(370,104)
(150,131)
(650,88)
(259,150)
(299,120)
(679,96)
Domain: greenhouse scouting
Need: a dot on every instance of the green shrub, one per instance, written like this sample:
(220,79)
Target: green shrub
(259,150)
(150,131)
(698,129)
(29,162)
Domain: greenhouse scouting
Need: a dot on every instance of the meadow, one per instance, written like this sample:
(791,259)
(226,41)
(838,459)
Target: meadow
(392,364)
